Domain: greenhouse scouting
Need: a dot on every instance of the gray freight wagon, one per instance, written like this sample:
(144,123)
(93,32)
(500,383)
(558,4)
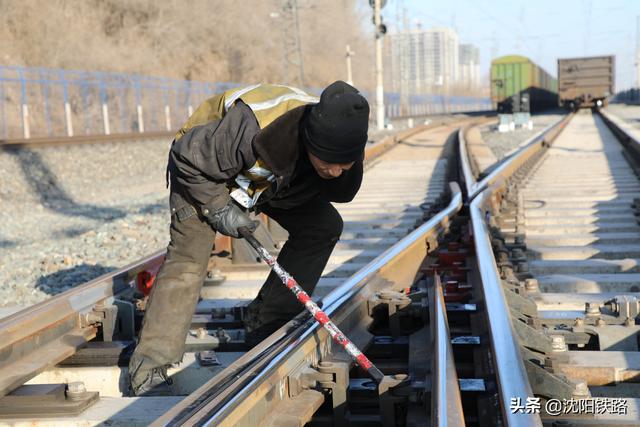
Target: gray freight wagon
(585,82)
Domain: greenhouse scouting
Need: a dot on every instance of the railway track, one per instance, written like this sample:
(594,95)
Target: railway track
(416,303)
(39,341)
(565,237)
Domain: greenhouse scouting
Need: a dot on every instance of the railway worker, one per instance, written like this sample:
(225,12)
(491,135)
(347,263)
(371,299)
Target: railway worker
(265,148)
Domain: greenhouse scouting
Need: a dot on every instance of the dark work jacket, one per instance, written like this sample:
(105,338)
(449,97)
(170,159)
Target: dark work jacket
(204,162)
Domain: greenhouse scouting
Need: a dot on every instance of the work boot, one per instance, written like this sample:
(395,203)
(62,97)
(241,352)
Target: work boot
(251,318)
(150,382)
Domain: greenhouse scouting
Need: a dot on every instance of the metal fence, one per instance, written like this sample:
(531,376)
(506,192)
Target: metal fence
(629,96)
(44,102)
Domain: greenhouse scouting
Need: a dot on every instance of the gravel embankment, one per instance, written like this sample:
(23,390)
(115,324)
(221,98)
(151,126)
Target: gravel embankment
(502,143)
(72,213)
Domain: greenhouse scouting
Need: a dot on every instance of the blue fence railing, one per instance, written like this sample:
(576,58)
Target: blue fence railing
(629,96)
(40,102)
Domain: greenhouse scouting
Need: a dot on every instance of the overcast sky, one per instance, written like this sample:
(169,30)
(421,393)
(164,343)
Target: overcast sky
(543,30)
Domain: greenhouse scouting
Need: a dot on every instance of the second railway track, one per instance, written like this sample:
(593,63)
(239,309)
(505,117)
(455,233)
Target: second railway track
(567,239)
(518,290)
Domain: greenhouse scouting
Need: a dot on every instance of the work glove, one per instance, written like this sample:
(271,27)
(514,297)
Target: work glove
(229,219)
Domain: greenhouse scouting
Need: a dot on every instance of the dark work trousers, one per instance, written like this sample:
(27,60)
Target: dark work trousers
(174,296)
(314,228)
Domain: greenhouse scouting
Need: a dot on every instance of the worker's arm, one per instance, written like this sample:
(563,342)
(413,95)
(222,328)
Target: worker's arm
(207,156)
(344,188)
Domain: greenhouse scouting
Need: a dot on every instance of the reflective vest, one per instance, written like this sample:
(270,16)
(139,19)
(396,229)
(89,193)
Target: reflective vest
(267,102)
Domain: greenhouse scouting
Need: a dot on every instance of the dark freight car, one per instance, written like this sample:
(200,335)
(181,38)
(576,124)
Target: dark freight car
(519,85)
(585,82)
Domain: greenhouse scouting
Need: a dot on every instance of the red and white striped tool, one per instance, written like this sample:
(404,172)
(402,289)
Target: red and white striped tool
(313,308)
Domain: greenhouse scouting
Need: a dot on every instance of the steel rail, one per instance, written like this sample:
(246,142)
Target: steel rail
(378,148)
(513,381)
(623,131)
(465,165)
(396,268)
(446,402)
(82,139)
(510,371)
(40,336)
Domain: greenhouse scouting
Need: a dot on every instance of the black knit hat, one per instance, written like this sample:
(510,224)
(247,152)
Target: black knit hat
(335,130)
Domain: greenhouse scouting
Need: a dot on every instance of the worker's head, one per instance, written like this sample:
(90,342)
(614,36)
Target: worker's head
(335,130)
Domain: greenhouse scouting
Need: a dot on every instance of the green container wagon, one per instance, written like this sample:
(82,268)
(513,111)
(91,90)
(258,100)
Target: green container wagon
(519,85)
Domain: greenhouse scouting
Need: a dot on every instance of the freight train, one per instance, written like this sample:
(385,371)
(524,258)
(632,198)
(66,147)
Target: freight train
(520,86)
(585,82)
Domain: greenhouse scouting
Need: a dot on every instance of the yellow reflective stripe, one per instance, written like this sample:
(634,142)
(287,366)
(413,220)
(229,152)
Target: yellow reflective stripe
(265,93)
(268,102)
(306,99)
(296,90)
(232,95)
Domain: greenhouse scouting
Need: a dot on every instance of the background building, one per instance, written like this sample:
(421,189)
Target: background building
(428,61)
(469,59)
(441,57)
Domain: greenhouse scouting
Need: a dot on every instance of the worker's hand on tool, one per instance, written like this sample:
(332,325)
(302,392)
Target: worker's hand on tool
(229,219)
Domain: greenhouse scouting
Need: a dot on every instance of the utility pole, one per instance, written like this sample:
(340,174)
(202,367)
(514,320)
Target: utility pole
(377,20)
(291,40)
(296,22)
(404,37)
(349,54)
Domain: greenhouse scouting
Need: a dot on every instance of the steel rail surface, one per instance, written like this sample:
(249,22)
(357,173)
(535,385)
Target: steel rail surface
(623,131)
(44,334)
(446,402)
(397,265)
(465,164)
(82,139)
(510,371)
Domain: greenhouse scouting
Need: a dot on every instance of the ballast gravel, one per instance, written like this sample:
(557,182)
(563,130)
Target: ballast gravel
(503,143)
(72,213)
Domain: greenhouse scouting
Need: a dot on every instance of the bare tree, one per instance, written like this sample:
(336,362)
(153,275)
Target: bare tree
(203,40)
